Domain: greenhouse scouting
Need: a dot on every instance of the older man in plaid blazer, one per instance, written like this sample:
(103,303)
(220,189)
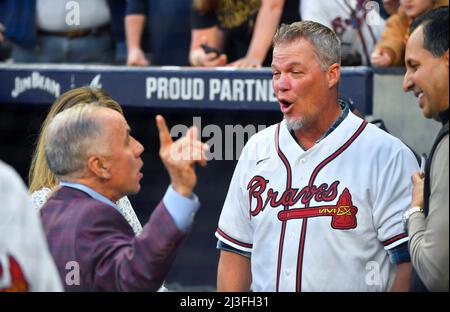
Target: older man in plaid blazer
(90,149)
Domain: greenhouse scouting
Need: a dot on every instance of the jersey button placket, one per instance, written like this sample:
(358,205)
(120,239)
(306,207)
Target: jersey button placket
(302,165)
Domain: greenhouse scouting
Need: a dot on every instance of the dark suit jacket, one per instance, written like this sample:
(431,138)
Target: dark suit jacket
(85,233)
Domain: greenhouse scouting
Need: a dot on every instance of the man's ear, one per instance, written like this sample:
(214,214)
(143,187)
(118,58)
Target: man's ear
(333,75)
(97,165)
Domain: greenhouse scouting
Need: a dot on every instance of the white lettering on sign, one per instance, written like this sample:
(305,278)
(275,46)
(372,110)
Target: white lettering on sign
(223,90)
(35,81)
(174,88)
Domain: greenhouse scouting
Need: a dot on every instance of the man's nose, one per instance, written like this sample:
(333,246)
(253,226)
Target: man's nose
(282,83)
(407,83)
(138,147)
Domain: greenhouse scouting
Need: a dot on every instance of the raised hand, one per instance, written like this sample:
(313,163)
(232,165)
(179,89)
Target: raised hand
(180,157)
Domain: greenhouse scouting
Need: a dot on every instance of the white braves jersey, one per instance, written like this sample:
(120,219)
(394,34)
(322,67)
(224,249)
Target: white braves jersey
(321,219)
(25,260)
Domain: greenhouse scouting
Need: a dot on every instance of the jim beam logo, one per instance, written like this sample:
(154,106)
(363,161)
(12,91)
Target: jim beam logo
(35,81)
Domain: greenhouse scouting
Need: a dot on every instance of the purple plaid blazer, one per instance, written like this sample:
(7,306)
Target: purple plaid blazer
(101,242)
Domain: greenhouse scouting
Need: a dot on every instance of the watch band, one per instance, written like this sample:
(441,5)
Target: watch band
(408,213)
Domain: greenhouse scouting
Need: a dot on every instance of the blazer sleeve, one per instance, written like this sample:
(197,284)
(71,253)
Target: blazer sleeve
(113,259)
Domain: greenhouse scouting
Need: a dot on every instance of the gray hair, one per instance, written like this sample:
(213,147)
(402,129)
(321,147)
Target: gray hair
(327,45)
(70,137)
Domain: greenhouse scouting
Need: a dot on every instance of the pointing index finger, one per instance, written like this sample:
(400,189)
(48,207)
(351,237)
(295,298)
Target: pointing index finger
(192,133)
(164,135)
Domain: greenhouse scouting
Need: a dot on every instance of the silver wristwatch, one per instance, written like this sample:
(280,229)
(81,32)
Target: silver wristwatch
(408,214)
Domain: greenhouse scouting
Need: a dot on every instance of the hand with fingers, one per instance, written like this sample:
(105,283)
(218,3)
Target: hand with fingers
(199,57)
(246,62)
(136,57)
(180,157)
(207,56)
(417,192)
(380,58)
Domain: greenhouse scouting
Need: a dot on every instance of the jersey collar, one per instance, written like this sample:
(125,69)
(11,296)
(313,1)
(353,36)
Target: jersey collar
(345,109)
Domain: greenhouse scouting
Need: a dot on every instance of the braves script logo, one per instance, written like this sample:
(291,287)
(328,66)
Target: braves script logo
(343,214)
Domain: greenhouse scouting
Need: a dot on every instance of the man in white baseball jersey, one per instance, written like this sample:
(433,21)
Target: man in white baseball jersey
(25,260)
(316,201)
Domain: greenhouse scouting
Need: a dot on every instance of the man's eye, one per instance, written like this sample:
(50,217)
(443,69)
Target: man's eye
(414,66)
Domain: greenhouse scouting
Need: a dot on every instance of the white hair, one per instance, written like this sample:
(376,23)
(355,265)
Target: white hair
(71,136)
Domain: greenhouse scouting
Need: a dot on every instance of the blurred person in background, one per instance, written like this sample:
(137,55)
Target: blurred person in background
(390,6)
(5,45)
(60,31)
(240,31)
(390,49)
(356,22)
(157,32)
(118,9)
(25,261)
(5,48)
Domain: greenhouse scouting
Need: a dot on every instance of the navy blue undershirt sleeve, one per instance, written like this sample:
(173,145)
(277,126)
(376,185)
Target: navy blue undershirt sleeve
(224,246)
(137,7)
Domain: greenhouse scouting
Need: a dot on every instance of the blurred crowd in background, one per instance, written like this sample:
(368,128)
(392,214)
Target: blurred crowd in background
(197,32)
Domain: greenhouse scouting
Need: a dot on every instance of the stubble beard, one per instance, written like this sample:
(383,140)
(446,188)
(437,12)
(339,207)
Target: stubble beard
(296,124)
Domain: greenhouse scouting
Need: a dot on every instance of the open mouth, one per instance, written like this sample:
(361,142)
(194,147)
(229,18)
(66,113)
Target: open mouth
(285,103)
(420,96)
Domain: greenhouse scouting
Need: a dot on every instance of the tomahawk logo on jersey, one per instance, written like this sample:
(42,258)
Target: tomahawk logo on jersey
(313,220)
